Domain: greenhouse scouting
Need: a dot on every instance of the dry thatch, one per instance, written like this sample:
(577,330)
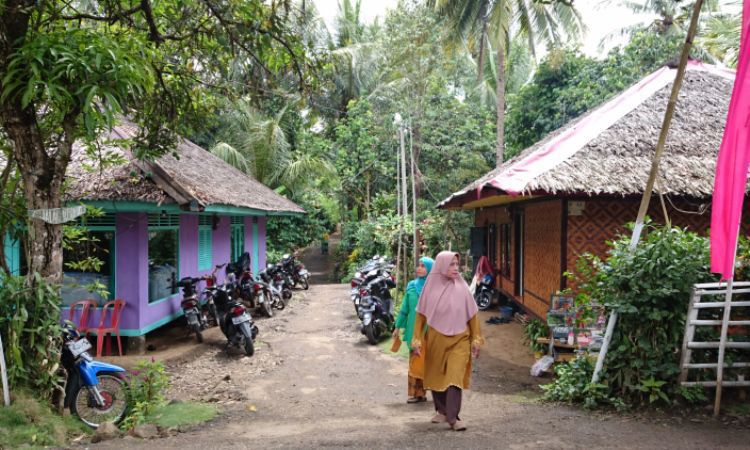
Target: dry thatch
(194,176)
(618,160)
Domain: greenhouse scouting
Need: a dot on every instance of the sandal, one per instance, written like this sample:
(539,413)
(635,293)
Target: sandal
(415,399)
(458,426)
(438,418)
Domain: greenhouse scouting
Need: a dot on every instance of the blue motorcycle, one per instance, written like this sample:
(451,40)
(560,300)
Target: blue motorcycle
(95,391)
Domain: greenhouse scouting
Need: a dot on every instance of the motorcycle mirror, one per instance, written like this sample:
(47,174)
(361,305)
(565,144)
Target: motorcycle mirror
(285,255)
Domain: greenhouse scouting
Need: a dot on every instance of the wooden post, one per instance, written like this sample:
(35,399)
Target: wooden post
(398,206)
(722,345)
(404,201)
(646,199)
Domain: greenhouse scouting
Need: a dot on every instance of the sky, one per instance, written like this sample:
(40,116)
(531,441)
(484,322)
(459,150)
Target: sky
(601,20)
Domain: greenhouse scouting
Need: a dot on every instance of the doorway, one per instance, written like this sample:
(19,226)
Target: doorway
(518,254)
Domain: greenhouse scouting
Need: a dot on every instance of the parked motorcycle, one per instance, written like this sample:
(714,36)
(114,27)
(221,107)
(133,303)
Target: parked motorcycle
(208,303)
(377,266)
(484,293)
(275,283)
(296,270)
(375,306)
(256,294)
(196,320)
(95,392)
(234,320)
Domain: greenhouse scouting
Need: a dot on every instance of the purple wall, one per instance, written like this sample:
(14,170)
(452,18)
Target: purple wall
(262,241)
(222,246)
(131,268)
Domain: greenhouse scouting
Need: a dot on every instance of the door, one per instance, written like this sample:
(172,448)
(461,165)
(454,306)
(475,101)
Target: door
(478,243)
(518,254)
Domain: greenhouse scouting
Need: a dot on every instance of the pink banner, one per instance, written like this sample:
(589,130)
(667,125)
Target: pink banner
(732,165)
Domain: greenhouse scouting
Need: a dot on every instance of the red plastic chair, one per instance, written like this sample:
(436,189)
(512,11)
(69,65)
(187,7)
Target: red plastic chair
(83,319)
(113,329)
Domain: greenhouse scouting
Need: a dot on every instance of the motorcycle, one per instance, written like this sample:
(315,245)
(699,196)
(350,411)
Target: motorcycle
(208,302)
(279,293)
(255,294)
(95,392)
(375,307)
(484,293)
(375,267)
(195,317)
(234,320)
(296,270)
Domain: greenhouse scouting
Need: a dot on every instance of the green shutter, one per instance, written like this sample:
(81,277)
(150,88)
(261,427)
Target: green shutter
(205,248)
(238,240)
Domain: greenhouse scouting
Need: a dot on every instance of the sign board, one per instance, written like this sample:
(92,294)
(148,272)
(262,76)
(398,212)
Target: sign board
(575,208)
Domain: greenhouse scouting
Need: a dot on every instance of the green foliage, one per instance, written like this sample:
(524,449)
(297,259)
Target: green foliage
(533,330)
(179,414)
(29,423)
(650,289)
(29,323)
(146,387)
(573,385)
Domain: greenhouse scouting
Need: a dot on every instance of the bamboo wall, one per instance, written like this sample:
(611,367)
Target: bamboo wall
(542,255)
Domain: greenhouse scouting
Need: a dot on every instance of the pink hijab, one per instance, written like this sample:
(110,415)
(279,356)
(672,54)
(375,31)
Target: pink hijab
(446,301)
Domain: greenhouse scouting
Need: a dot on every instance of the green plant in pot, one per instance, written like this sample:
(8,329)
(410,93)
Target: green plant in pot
(533,330)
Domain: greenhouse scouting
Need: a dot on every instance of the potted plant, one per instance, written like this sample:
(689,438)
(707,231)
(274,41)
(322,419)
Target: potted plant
(533,330)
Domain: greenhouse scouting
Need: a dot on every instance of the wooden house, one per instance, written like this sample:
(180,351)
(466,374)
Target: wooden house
(575,189)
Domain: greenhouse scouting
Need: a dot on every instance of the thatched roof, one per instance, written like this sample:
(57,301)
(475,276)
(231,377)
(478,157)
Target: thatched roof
(195,176)
(614,158)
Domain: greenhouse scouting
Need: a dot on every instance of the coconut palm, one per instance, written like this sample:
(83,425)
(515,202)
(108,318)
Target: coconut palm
(721,37)
(496,22)
(259,146)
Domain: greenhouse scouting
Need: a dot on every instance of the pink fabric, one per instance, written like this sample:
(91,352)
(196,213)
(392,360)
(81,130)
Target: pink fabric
(445,300)
(514,179)
(483,268)
(731,168)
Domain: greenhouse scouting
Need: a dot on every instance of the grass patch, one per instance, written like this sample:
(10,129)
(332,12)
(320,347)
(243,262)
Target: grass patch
(385,346)
(28,422)
(181,414)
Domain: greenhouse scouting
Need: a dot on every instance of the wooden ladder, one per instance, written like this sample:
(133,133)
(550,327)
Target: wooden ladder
(688,344)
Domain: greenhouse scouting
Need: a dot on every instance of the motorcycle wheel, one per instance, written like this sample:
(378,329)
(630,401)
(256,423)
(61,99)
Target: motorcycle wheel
(112,388)
(372,333)
(305,284)
(214,313)
(483,301)
(279,302)
(286,293)
(199,336)
(247,340)
(267,308)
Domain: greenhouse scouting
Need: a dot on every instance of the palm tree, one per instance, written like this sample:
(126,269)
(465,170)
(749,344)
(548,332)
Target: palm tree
(258,145)
(721,37)
(495,22)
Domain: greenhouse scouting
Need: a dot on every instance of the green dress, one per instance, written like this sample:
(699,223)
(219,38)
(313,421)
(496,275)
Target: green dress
(408,314)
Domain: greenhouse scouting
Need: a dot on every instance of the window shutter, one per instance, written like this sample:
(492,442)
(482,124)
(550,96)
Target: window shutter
(205,248)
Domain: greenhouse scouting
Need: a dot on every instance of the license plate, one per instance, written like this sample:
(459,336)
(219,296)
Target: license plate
(240,319)
(79,346)
(192,316)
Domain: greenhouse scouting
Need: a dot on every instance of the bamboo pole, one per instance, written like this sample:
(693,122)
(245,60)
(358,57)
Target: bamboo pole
(398,206)
(653,174)
(404,197)
(4,374)
(413,198)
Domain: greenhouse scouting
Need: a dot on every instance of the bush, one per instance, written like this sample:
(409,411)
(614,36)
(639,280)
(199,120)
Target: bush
(573,385)
(650,289)
(533,330)
(29,422)
(31,333)
(146,388)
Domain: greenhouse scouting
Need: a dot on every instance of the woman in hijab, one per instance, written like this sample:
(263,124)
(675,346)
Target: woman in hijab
(405,321)
(452,339)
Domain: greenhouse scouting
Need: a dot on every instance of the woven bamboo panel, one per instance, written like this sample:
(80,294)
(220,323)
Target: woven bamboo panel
(542,249)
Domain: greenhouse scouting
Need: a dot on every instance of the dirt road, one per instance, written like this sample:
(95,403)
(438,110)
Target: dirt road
(314,382)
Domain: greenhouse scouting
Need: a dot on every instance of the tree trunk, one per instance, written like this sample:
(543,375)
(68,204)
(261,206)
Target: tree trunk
(500,95)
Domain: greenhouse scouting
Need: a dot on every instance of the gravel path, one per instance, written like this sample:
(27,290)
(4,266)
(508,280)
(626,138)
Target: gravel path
(314,382)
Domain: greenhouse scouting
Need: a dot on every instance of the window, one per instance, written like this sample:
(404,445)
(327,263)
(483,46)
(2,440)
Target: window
(163,256)
(81,280)
(205,243)
(505,249)
(238,237)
